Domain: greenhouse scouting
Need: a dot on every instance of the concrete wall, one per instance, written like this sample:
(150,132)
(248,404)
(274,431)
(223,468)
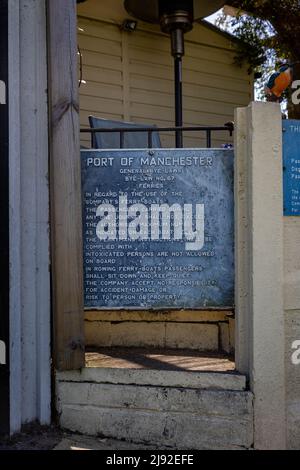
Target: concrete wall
(259,267)
(267,280)
(206,331)
(292,327)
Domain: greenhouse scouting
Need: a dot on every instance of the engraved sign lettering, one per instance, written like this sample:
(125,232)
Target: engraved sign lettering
(158,228)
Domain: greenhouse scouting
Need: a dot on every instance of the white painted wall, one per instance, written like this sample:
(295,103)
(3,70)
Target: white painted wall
(267,279)
(29,214)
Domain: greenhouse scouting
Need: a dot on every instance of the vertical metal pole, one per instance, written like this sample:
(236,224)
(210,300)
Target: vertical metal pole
(208,139)
(150,143)
(122,139)
(178,100)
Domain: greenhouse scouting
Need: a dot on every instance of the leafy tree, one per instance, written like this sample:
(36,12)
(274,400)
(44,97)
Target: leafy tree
(270,31)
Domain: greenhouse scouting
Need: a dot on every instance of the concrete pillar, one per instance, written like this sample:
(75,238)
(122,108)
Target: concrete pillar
(259,267)
(241,243)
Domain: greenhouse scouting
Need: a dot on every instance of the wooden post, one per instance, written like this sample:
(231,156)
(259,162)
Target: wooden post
(65,186)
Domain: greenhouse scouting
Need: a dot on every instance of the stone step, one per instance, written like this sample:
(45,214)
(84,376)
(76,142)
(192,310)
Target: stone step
(165,429)
(172,417)
(161,378)
(184,400)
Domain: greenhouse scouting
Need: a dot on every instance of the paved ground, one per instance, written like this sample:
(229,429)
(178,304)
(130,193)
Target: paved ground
(159,359)
(35,437)
(76,442)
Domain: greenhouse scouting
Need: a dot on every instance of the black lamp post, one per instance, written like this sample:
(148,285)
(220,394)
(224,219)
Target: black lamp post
(176,17)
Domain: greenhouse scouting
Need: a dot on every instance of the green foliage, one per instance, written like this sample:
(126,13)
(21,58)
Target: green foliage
(269,31)
(256,47)
(264,26)
(253,33)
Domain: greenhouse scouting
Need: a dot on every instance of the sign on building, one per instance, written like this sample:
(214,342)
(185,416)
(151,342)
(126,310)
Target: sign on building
(4,215)
(158,228)
(291,167)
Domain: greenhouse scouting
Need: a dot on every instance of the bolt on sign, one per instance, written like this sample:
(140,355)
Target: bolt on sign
(4,235)
(158,228)
(291,167)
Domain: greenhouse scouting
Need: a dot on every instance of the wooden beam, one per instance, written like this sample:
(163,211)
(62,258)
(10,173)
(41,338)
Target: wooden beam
(65,186)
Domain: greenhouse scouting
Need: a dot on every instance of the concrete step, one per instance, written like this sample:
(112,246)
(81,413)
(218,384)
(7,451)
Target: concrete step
(169,416)
(161,378)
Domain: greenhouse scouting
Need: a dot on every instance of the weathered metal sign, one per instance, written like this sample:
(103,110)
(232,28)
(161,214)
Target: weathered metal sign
(291,167)
(4,215)
(158,228)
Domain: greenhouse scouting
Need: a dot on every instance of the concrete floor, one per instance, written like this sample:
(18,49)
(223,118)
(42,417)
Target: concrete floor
(36,437)
(159,359)
(79,442)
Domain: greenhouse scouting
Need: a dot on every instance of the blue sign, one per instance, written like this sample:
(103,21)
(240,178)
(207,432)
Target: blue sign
(158,228)
(291,167)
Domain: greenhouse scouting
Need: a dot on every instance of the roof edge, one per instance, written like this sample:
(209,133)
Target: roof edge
(217,30)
